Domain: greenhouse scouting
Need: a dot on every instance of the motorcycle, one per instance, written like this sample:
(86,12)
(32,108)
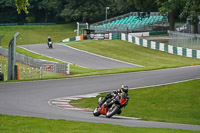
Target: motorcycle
(118,101)
(50,44)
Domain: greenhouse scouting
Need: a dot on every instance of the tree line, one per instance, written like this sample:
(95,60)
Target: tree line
(62,11)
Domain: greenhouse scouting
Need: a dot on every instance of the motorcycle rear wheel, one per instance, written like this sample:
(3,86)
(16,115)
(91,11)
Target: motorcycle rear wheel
(112,111)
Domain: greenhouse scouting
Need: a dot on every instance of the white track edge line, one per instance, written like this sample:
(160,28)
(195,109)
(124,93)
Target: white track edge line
(101,56)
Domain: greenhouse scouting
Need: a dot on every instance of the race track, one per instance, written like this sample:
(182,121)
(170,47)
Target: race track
(78,57)
(31,98)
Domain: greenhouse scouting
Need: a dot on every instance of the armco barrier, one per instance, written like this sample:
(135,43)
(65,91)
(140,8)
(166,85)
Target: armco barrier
(59,67)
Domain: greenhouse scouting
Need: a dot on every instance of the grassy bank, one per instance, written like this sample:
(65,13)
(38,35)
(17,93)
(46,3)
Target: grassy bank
(177,103)
(135,54)
(35,34)
(16,124)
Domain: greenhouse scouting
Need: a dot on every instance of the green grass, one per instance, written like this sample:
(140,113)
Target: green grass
(128,52)
(177,103)
(16,124)
(36,34)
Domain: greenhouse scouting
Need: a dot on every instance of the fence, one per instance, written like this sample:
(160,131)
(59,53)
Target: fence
(185,40)
(186,28)
(39,68)
(31,72)
(187,52)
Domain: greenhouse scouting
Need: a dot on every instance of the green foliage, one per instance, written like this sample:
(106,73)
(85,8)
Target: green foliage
(7,9)
(30,19)
(7,3)
(144,5)
(191,10)
(22,5)
(81,10)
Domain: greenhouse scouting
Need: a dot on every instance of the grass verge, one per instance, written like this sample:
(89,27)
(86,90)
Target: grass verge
(177,103)
(35,34)
(128,52)
(17,124)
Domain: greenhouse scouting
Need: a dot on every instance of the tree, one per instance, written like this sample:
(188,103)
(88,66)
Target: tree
(47,6)
(82,10)
(7,8)
(118,7)
(191,11)
(143,5)
(170,7)
(22,5)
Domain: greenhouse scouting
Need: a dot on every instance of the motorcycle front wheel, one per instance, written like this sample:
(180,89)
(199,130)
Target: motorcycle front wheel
(112,111)
(96,112)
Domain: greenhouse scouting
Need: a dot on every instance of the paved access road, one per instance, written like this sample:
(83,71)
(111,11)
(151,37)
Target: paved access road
(78,57)
(31,98)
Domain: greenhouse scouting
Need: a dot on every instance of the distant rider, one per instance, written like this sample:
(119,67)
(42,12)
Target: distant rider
(49,42)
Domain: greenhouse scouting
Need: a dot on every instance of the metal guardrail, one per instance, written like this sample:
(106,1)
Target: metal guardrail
(58,67)
(185,40)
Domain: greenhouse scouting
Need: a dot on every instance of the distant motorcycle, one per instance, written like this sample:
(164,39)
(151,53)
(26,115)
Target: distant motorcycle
(50,44)
(118,101)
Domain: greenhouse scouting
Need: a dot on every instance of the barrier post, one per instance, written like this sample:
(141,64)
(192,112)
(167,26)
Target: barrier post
(16,72)
(68,69)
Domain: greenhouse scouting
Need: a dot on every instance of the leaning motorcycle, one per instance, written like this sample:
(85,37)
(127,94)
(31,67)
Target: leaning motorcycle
(118,101)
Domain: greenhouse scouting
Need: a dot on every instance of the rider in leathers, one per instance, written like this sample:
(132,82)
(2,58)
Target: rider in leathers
(124,89)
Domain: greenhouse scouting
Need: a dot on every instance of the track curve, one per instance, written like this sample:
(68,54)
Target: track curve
(31,98)
(78,57)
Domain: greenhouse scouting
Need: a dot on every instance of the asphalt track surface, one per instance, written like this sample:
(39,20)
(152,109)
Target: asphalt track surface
(31,98)
(78,57)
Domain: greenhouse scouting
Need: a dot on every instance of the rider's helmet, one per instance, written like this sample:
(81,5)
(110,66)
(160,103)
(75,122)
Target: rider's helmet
(124,89)
(48,36)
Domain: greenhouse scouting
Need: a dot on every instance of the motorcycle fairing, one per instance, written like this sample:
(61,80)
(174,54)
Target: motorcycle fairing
(103,110)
